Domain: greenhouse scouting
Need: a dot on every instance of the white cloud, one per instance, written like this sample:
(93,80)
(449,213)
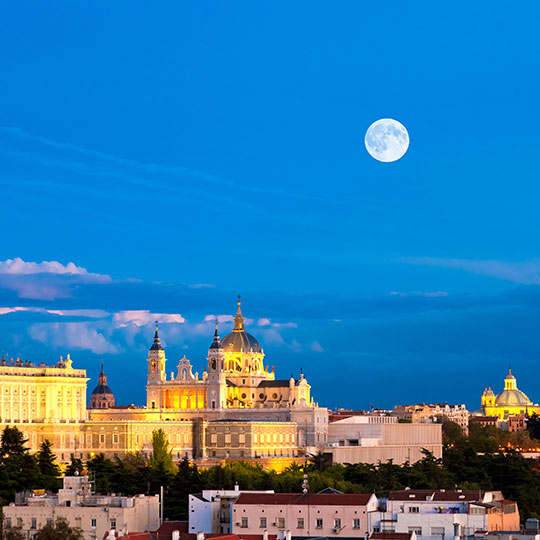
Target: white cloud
(264,321)
(316,347)
(76,335)
(90,313)
(527,272)
(19,267)
(220,318)
(144,317)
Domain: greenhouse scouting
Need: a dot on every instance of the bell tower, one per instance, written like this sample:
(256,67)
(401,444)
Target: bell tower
(217,383)
(156,373)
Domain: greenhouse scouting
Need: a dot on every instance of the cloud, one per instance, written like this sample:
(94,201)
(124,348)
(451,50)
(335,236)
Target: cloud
(264,321)
(316,347)
(145,317)
(76,335)
(90,313)
(19,267)
(428,294)
(46,280)
(526,273)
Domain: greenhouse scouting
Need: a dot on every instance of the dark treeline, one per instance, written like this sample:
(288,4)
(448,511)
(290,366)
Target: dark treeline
(467,463)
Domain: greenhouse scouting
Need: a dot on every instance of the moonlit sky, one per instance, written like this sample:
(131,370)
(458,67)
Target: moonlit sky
(181,153)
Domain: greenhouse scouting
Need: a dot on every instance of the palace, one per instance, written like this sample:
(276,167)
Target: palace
(510,402)
(236,409)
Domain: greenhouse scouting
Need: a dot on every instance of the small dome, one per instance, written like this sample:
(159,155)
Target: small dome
(101,389)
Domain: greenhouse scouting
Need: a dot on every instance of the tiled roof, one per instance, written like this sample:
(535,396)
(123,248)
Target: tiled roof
(321,499)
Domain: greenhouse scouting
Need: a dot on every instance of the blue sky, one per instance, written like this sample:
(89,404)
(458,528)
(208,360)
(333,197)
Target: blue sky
(179,154)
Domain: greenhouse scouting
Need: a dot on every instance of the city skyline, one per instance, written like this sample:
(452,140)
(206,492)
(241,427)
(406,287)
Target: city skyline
(177,156)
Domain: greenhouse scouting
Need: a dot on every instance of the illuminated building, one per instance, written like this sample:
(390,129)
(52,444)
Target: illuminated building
(236,410)
(31,393)
(509,402)
(434,412)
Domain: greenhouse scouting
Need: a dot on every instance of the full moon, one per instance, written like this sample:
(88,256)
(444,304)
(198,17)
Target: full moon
(387,140)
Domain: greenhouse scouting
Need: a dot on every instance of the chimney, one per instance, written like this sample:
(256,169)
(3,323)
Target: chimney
(176,535)
(200,535)
(236,487)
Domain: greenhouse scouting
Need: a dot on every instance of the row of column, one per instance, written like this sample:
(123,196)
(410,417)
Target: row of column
(184,399)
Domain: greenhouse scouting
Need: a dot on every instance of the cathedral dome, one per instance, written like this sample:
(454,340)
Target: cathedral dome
(239,340)
(511,396)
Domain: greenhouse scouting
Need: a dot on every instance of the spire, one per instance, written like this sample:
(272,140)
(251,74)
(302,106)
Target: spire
(216,344)
(156,346)
(102,378)
(239,319)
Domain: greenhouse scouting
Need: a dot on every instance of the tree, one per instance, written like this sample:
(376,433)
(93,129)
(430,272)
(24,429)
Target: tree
(18,468)
(161,457)
(13,533)
(103,469)
(75,467)
(49,469)
(187,480)
(533,426)
(60,530)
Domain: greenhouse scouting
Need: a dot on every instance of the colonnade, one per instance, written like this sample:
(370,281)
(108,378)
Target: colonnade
(184,398)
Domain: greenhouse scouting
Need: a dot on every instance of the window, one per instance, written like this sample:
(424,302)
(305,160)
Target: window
(115,438)
(417,530)
(8,523)
(93,523)
(413,509)
(318,523)
(356,523)
(300,524)
(337,523)
(281,523)
(102,438)
(262,523)
(113,523)
(19,522)
(437,531)
(49,521)
(244,522)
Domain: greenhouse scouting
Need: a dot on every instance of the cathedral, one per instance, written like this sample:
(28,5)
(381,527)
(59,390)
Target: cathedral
(509,402)
(235,378)
(236,409)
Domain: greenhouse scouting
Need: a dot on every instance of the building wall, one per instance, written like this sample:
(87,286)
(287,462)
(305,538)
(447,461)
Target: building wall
(41,393)
(143,515)
(309,513)
(360,442)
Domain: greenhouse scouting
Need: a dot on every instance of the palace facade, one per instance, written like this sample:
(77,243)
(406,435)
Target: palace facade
(236,409)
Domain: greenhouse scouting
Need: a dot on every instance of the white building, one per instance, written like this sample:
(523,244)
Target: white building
(445,513)
(94,514)
(370,439)
(210,511)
